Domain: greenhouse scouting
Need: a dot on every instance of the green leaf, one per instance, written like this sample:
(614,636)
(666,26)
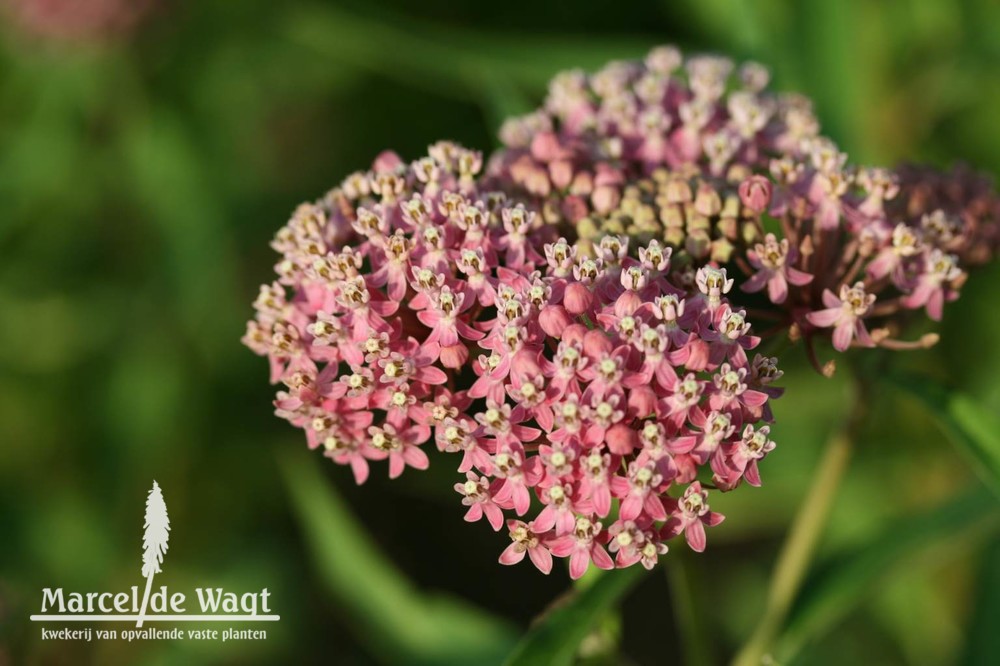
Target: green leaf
(555,639)
(400,623)
(983,642)
(441,58)
(968,425)
(845,580)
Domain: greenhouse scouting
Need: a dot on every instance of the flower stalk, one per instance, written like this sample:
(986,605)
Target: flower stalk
(803,537)
(695,648)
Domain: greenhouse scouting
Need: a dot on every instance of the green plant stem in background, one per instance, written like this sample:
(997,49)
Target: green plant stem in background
(696,649)
(930,538)
(800,544)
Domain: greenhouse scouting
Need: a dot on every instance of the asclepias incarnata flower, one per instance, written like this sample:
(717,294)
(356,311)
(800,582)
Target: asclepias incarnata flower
(563,323)
(581,385)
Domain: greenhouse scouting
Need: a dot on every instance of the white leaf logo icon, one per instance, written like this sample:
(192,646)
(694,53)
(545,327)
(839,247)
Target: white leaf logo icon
(154,542)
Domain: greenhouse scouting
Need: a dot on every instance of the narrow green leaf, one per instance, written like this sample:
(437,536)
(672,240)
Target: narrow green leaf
(968,425)
(555,639)
(983,642)
(399,623)
(841,583)
(441,58)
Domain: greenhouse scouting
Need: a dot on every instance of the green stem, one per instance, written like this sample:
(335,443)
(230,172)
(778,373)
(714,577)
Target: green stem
(800,544)
(696,649)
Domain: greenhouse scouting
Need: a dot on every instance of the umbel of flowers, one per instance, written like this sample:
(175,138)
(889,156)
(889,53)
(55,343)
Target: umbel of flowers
(564,321)
(730,174)
(582,385)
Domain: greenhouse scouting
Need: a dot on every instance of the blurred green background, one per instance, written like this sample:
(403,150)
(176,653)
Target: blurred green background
(149,151)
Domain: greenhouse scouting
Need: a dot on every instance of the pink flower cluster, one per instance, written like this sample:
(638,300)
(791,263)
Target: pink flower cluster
(564,321)
(585,386)
(728,172)
(597,133)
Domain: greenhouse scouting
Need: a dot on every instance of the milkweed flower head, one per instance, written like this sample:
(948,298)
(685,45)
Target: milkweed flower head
(594,397)
(698,154)
(576,324)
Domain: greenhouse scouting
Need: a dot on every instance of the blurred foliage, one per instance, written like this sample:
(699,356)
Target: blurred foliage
(398,622)
(143,171)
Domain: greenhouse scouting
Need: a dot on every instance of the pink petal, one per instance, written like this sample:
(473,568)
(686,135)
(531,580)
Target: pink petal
(431,375)
(824,318)
(546,519)
(864,339)
(578,563)
(383,308)
(577,298)
(753,398)
(511,555)
(522,499)
(544,417)
(562,546)
(474,513)
(756,282)
(415,457)
(654,507)
(396,465)
(602,500)
(797,277)
(359,466)
(428,318)
(397,286)
(454,356)
(601,558)
(842,335)
(631,507)
(541,558)
(935,304)
(493,514)
(712,518)
(467,331)
(695,535)
(777,288)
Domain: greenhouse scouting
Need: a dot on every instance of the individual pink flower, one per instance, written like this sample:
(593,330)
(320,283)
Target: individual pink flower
(526,540)
(582,548)
(742,460)
(443,318)
(640,492)
(774,261)
(845,315)
(477,496)
(691,516)
(558,513)
(401,448)
(935,284)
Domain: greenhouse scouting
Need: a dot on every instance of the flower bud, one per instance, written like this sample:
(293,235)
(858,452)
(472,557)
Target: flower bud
(755,193)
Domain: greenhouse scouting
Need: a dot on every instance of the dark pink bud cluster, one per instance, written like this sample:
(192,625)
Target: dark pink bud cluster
(857,248)
(583,385)
(697,116)
(722,170)
(966,197)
